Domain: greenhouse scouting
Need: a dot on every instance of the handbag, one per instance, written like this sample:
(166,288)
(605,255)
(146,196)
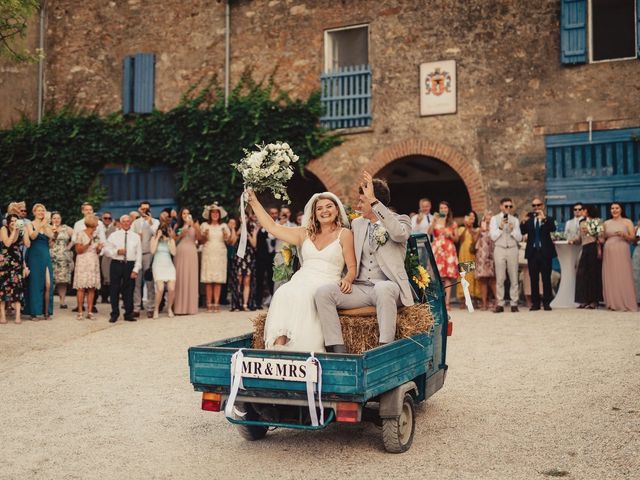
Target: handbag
(148,275)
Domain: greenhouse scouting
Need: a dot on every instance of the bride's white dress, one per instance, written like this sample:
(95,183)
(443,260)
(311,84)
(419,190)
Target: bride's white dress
(293,310)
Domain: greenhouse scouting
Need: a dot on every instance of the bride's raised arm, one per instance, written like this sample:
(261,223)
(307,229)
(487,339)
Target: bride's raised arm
(292,235)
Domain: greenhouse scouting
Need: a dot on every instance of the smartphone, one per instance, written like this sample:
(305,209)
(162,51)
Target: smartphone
(505,216)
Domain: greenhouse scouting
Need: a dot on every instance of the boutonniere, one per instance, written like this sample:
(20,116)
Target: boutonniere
(380,235)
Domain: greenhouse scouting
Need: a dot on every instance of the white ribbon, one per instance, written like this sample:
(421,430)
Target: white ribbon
(465,290)
(311,361)
(242,245)
(235,382)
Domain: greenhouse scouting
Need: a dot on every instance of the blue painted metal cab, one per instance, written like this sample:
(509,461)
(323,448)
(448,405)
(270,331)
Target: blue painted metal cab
(380,385)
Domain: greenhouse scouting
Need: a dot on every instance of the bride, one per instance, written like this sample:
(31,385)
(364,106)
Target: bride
(325,244)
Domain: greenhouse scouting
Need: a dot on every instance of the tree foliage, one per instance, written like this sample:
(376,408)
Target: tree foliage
(58,162)
(14,15)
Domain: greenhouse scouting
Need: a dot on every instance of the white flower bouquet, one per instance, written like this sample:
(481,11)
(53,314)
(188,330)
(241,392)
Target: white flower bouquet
(268,168)
(594,227)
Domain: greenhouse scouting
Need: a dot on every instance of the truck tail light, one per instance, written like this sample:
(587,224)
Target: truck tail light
(347,412)
(211,402)
(449,328)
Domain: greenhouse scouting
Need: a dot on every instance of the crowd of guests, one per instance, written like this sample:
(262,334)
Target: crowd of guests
(178,264)
(514,255)
(174,263)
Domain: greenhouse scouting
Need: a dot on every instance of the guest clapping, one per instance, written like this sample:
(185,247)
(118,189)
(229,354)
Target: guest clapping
(215,236)
(39,294)
(13,269)
(617,272)
(61,256)
(163,248)
(87,273)
(187,233)
(445,233)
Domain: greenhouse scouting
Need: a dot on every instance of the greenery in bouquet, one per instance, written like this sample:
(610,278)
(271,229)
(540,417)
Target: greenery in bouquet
(351,213)
(283,267)
(268,168)
(594,227)
(558,236)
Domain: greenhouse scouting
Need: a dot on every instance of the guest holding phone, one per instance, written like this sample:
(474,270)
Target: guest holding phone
(163,248)
(504,230)
(445,235)
(13,269)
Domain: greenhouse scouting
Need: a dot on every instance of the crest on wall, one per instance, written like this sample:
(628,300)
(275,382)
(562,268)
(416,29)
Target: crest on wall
(438,93)
(438,82)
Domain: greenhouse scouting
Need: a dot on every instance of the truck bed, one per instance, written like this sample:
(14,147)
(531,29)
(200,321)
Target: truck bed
(345,377)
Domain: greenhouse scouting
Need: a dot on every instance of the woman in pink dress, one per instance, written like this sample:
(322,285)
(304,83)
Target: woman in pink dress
(86,277)
(186,260)
(445,235)
(618,287)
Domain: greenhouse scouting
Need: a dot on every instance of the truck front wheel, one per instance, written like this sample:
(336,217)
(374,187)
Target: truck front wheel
(397,432)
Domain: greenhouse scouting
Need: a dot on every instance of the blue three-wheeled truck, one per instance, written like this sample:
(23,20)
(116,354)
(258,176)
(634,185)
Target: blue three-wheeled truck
(261,389)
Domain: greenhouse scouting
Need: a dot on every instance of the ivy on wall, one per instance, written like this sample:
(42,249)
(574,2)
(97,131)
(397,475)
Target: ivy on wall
(58,162)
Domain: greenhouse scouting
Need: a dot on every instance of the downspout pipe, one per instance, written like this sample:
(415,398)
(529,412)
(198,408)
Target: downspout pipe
(41,63)
(227,48)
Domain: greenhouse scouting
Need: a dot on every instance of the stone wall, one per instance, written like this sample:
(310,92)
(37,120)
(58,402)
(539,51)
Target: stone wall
(511,85)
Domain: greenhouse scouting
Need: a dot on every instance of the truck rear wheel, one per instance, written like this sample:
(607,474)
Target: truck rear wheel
(251,432)
(397,432)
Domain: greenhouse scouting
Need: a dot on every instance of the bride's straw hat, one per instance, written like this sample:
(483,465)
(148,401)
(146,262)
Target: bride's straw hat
(214,206)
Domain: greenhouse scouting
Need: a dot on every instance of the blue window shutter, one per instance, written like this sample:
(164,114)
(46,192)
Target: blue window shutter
(127,85)
(573,31)
(144,83)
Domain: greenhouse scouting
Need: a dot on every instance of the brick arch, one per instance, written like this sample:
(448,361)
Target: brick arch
(468,173)
(325,174)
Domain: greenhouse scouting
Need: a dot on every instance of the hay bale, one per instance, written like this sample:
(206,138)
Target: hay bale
(361,333)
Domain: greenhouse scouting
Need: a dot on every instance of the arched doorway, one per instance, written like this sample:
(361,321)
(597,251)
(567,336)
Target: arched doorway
(300,189)
(416,176)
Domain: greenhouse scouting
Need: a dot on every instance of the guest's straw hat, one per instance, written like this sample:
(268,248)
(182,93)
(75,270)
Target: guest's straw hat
(214,206)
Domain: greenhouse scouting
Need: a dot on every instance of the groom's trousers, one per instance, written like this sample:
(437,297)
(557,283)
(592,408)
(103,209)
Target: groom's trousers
(384,295)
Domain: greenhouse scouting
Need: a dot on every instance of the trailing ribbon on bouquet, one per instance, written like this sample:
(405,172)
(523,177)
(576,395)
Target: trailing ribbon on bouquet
(465,290)
(311,361)
(235,382)
(242,245)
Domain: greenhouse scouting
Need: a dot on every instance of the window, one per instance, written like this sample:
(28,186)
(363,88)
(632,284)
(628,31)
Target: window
(613,29)
(346,81)
(599,30)
(138,83)
(346,47)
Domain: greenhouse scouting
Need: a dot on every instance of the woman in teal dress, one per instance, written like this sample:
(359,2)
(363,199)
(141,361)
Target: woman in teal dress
(38,258)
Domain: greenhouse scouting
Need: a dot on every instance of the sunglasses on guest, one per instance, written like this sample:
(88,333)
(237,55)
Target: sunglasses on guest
(578,209)
(508,206)
(536,204)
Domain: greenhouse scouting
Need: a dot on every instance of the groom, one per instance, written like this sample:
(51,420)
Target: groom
(380,240)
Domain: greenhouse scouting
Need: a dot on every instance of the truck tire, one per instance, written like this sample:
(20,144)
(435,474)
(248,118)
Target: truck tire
(251,432)
(397,432)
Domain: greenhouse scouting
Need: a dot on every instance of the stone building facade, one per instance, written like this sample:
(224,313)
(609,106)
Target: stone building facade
(512,89)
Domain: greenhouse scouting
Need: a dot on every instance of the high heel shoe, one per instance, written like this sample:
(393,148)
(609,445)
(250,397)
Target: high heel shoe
(89,316)
(210,308)
(80,316)
(245,307)
(216,308)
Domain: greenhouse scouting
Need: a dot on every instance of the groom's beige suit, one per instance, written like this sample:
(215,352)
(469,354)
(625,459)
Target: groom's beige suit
(381,279)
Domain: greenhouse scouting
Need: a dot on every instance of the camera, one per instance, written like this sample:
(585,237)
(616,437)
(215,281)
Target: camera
(164,229)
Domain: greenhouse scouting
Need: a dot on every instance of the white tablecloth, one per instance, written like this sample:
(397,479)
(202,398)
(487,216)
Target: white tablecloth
(568,258)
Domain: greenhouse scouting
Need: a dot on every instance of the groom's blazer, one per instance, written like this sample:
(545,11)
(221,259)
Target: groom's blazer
(391,255)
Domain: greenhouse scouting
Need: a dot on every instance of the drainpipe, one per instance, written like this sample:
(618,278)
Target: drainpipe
(227,14)
(41,64)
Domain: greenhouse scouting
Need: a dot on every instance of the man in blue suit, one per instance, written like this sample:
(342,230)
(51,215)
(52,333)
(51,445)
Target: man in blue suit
(540,252)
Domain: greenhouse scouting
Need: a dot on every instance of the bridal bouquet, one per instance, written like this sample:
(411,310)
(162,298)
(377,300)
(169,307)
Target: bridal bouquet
(268,168)
(594,227)
(283,268)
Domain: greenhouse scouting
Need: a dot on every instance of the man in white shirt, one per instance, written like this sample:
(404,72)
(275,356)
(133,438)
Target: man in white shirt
(146,226)
(125,249)
(572,227)
(504,230)
(421,221)
(79,226)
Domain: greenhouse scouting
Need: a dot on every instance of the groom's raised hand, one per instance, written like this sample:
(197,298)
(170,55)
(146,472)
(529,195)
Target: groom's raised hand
(367,187)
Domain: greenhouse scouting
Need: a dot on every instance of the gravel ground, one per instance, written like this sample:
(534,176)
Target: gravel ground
(527,396)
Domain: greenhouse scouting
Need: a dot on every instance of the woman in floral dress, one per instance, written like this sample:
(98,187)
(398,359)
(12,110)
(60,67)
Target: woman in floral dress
(485,266)
(445,235)
(87,274)
(12,266)
(61,256)
(244,269)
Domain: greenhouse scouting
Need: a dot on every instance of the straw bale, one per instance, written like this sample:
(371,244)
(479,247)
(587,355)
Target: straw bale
(361,333)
